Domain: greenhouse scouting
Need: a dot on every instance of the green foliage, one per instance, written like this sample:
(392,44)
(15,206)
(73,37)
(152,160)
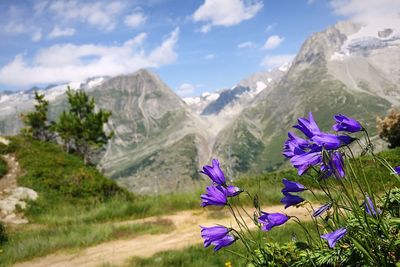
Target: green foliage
(59,177)
(81,127)
(36,122)
(389,128)
(392,201)
(3,167)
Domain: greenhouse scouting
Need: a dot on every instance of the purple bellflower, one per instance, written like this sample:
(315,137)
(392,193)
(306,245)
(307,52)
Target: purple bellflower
(397,170)
(334,236)
(308,127)
(291,186)
(347,124)
(223,242)
(232,191)
(291,200)
(294,145)
(216,195)
(213,233)
(322,209)
(370,208)
(214,172)
(270,220)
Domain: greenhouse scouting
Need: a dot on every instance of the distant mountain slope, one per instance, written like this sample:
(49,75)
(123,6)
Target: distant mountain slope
(157,138)
(253,142)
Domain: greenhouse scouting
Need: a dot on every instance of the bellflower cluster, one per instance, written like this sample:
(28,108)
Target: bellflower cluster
(307,153)
(368,234)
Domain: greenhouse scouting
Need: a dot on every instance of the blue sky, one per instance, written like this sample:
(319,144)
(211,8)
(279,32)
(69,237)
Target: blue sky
(195,46)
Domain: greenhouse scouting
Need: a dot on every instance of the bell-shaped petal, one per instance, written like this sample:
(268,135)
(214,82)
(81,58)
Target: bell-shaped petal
(337,164)
(270,220)
(397,170)
(304,161)
(232,191)
(214,172)
(216,195)
(291,200)
(213,233)
(308,126)
(291,186)
(223,242)
(346,124)
(334,236)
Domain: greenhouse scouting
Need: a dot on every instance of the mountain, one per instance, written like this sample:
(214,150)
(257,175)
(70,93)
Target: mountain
(362,84)
(158,141)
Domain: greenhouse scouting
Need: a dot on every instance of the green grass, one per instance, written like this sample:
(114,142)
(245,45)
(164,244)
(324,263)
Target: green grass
(38,242)
(3,167)
(197,256)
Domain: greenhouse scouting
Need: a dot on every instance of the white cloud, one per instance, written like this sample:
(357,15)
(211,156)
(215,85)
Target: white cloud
(376,14)
(185,89)
(270,27)
(270,62)
(209,56)
(16,28)
(70,62)
(246,45)
(225,12)
(273,42)
(103,15)
(59,32)
(135,20)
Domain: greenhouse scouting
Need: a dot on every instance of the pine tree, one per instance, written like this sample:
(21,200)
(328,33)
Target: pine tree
(81,127)
(36,122)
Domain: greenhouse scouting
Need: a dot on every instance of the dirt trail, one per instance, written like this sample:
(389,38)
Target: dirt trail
(115,253)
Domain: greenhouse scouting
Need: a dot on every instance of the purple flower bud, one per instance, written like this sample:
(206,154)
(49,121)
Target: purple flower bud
(291,186)
(210,234)
(216,195)
(232,191)
(370,208)
(347,124)
(308,127)
(223,242)
(334,236)
(322,209)
(291,200)
(214,172)
(270,220)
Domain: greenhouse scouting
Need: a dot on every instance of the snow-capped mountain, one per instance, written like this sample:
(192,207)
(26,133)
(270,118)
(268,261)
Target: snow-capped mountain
(233,100)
